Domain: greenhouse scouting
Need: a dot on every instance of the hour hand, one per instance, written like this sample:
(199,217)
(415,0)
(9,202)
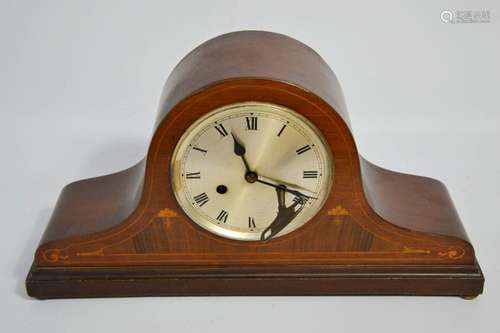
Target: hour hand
(285,215)
(240,150)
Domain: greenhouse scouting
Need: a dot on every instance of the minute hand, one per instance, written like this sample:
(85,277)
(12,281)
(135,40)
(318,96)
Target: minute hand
(284,188)
(287,184)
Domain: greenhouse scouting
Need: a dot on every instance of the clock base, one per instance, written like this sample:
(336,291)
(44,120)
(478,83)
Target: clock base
(74,282)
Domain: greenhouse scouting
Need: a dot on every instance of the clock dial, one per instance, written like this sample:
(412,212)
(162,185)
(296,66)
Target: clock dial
(251,171)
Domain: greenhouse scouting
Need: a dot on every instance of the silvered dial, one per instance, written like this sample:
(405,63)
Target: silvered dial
(251,171)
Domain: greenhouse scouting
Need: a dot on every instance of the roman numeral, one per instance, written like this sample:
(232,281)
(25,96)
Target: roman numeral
(193,175)
(299,200)
(251,223)
(220,128)
(251,123)
(310,174)
(201,199)
(222,217)
(303,149)
(281,130)
(199,149)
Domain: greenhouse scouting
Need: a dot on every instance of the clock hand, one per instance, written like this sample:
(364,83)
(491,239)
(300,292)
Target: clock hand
(284,217)
(251,176)
(240,150)
(285,189)
(294,186)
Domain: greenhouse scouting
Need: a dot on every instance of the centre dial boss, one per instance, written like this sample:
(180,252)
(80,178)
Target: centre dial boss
(251,171)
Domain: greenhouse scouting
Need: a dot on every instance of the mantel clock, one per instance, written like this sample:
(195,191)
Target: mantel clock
(253,185)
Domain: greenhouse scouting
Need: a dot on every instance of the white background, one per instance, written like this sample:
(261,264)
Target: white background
(79,86)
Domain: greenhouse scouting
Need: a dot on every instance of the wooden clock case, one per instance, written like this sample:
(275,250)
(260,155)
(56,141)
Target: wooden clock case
(379,233)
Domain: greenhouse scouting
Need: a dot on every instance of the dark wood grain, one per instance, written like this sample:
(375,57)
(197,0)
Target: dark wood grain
(95,204)
(125,234)
(411,202)
(257,281)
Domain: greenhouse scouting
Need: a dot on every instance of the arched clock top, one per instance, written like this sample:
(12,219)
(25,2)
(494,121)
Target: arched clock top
(252,55)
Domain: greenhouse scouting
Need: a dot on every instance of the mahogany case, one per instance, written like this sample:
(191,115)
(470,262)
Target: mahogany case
(379,233)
